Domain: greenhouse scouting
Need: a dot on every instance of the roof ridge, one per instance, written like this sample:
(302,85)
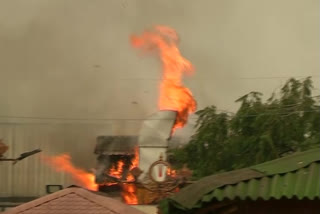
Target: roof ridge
(107,203)
(42,200)
(83,193)
(110,204)
(289,163)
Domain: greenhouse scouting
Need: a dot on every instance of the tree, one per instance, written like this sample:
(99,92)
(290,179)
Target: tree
(259,131)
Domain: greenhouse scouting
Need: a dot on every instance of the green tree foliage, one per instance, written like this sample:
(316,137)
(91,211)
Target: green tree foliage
(259,131)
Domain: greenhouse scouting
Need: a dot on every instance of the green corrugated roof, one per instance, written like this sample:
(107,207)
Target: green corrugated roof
(289,163)
(303,183)
(297,175)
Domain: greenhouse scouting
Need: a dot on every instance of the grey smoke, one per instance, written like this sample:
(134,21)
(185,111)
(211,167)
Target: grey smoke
(72,59)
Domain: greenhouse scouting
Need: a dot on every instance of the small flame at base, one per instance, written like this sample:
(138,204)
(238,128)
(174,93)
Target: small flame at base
(62,163)
(129,194)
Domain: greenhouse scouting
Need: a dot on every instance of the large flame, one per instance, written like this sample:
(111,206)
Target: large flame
(173,95)
(62,163)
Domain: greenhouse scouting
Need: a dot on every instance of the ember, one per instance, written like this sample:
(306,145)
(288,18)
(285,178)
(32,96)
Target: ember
(173,95)
(62,163)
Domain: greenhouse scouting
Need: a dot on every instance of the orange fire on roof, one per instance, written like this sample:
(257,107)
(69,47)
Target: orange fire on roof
(62,163)
(173,95)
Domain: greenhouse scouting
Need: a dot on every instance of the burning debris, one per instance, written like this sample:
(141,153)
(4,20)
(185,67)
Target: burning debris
(117,163)
(116,156)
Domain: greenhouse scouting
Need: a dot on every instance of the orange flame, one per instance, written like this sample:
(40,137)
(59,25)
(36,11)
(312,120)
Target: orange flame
(171,172)
(62,163)
(129,193)
(128,189)
(116,170)
(173,95)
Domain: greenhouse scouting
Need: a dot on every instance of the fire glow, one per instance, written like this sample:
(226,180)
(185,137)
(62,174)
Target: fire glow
(62,163)
(117,169)
(128,189)
(173,95)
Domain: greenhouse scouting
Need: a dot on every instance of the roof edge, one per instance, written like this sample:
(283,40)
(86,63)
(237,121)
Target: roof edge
(288,163)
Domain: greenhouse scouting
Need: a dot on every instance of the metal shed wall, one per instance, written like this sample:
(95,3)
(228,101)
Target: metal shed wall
(29,177)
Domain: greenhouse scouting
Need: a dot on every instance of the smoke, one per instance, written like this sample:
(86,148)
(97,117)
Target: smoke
(73,58)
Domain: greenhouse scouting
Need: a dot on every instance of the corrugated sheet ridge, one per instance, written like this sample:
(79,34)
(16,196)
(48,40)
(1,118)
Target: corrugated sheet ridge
(300,184)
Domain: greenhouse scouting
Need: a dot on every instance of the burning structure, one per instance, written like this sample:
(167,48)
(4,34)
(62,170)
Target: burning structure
(175,101)
(116,154)
(135,166)
(117,159)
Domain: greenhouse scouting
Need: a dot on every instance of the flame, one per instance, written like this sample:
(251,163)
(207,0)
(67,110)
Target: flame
(171,172)
(134,163)
(173,95)
(128,189)
(62,163)
(129,193)
(116,170)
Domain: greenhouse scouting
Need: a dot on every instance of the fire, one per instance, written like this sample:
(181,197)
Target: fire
(173,95)
(62,163)
(129,193)
(134,163)
(116,170)
(128,189)
(171,172)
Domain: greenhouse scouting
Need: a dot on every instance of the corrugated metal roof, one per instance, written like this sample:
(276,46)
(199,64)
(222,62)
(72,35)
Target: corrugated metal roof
(289,163)
(28,178)
(303,183)
(296,176)
(189,196)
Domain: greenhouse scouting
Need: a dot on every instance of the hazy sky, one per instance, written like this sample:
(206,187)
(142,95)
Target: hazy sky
(72,58)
